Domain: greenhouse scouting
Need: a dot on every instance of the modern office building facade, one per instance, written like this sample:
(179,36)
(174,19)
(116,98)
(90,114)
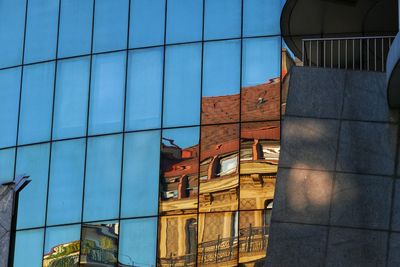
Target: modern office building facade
(150,129)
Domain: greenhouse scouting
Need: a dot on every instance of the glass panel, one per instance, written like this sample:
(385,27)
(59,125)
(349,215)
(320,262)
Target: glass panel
(219,179)
(41,30)
(177,241)
(141,172)
(222,19)
(221,82)
(261,17)
(62,246)
(99,244)
(33,161)
(218,234)
(75,28)
(7,159)
(147,23)
(138,242)
(107,93)
(103,172)
(144,93)
(66,182)
(28,248)
(71,98)
(110,25)
(10,81)
(182,85)
(179,171)
(259,155)
(253,237)
(12,24)
(184,21)
(36,103)
(261,81)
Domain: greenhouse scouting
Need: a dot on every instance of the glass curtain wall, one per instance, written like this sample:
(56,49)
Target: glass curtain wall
(150,129)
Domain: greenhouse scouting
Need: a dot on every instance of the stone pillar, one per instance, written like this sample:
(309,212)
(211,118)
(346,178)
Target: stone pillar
(6,202)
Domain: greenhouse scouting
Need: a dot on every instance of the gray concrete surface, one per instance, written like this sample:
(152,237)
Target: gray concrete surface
(337,198)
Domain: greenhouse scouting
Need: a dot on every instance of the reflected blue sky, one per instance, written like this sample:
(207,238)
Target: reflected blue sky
(61,235)
(138,242)
(7,165)
(261,60)
(183,137)
(28,248)
(221,74)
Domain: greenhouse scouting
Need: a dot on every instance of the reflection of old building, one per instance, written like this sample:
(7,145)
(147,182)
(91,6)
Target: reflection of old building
(179,179)
(99,245)
(63,255)
(206,177)
(177,240)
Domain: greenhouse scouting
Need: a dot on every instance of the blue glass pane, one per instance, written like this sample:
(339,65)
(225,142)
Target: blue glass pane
(62,243)
(110,25)
(28,248)
(12,24)
(71,98)
(41,30)
(138,241)
(107,93)
(222,19)
(144,94)
(66,182)
(261,17)
(182,85)
(140,179)
(221,82)
(103,172)
(75,28)
(9,101)
(36,103)
(261,60)
(147,23)
(184,21)
(7,158)
(33,161)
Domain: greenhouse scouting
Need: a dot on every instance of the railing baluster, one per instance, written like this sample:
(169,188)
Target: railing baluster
(360,54)
(368,52)
(339,58)
(353,56)
(324,54)
(331,54)
(345,56)
(375,53)
(310,54)
(383,59)
(302,51)
(317,53)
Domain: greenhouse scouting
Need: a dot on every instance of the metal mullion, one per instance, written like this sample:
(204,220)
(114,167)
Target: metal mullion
(123,129)
(161,130)
(240,127)
(51,130)
(14,215)
(87,128)
(200,135)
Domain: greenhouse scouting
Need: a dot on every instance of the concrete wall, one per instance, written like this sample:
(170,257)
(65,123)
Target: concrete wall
(337,200)
(6,199)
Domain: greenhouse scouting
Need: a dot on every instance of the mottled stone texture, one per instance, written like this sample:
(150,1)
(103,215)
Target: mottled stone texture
(337,199)
(6,199)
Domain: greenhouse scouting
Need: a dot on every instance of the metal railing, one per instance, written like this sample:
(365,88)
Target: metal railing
(356,53)
(252,240)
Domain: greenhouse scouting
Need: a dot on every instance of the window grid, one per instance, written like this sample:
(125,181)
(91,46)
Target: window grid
(123,132)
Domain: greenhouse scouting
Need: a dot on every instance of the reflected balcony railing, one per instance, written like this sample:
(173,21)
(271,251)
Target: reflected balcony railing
(355,53)
(252,241)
